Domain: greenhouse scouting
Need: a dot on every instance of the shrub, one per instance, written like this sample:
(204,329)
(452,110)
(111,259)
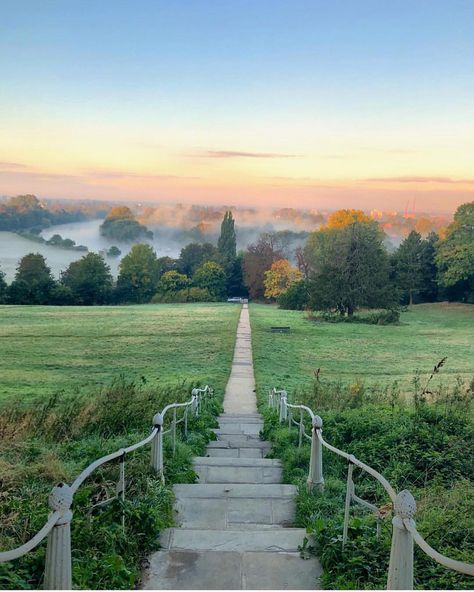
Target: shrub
(296,297)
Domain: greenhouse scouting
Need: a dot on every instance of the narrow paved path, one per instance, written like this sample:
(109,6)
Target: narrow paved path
(236,523)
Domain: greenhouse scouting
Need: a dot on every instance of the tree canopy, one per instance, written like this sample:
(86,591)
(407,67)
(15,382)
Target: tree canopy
(279,278)
(349,268)
(138,275)
(33,281)
(89,280)
(455,255)
(211,276)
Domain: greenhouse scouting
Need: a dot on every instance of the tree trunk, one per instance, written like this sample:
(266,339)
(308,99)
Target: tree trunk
(411,297)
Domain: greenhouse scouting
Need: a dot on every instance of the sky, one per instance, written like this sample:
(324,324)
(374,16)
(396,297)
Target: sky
(317,104)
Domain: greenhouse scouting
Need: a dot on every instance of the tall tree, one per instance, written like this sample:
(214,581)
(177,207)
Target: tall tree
(33,281)
(349,268)
(138,275)
(227,242)
(279,278)
(455,255)
(408,265)
(256,261)
(89,280)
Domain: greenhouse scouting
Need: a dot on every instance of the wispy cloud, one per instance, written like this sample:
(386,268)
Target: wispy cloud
(12,166)
(117,174)
(242,154)
(419,179)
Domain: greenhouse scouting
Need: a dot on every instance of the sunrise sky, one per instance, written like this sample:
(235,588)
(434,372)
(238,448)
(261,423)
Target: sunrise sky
(335,103)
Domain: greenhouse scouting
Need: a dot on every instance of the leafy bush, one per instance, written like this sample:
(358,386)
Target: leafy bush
(54,442)
(428,449)
(296,297)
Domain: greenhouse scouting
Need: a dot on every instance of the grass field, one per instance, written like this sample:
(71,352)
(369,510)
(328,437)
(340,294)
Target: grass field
(372,353)
(45,350)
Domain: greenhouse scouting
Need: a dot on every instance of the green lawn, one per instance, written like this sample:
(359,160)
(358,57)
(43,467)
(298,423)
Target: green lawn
(376,354)
(47,349)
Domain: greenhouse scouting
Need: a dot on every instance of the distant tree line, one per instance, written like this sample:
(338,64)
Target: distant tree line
(203,272)
(25,212)
(345,266)
(342,267)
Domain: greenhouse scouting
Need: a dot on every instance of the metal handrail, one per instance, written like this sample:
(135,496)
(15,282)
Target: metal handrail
(401,558)
(58,556)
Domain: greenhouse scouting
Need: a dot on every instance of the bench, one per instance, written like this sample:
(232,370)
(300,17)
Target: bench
(280,329)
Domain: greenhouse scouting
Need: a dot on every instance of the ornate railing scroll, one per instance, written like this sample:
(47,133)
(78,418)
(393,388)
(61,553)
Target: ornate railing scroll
(404,532)
(58,568)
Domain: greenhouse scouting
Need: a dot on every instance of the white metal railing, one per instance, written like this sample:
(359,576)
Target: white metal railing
(58,567)
(404,532)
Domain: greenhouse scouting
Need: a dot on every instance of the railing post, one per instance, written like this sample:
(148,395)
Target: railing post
(347,506)
(400,571)
(283,408)
(157,445)
(195,403)
(315,476)
(58,568)
(300,439)
(174,431)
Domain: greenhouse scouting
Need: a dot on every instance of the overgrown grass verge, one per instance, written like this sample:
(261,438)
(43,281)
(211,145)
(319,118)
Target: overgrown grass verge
(54,442)
(426,447)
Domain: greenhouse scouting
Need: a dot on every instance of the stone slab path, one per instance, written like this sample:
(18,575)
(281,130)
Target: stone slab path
(235,525)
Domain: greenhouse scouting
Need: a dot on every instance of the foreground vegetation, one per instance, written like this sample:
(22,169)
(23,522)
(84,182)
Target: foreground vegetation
(427,448)
(423,442)
(47,350)
(88,382)
(54,441)
(356,353)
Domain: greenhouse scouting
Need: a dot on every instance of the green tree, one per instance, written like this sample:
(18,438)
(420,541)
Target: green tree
(227,241)
(429,292)
(167,264)
(173,281)
(349,268)
(455,255)
(195,254)
(211,276)
(89,280)
(3,288)
(33,281)
(138,275)
(408,265)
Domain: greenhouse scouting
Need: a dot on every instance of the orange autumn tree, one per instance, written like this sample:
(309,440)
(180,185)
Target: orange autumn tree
(343,218)
(279,278)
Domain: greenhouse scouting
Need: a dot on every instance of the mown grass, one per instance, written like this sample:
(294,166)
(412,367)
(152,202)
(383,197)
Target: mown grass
(356,352)
(46,349)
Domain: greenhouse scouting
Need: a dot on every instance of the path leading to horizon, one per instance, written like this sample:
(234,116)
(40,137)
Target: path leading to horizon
(240,390)
(235,525)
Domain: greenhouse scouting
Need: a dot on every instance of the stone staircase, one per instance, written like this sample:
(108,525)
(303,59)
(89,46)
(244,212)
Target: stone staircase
(235,525)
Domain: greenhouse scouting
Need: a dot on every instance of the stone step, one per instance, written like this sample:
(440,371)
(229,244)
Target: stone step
(239,443)
(237,462)
(276,539)
(238,428)
(247,417)
(218,506)
(236,452)
(237,470)
(236,440)
(231,570)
